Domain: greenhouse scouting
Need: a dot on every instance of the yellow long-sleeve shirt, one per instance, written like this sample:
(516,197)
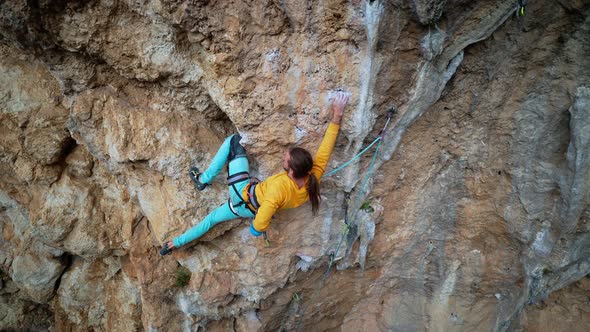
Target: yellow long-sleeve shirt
(280,191)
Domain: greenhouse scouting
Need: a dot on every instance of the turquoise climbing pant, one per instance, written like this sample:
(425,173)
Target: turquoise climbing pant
(230,151)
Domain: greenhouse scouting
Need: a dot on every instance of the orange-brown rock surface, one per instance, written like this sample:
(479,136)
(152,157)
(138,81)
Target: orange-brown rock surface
(476,215)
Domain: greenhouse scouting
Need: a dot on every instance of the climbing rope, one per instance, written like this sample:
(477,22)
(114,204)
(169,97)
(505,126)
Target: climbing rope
(352,159)
(346,226)
(379,138)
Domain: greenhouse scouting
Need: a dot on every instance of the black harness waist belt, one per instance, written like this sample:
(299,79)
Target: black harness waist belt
(252,195)
(237,178)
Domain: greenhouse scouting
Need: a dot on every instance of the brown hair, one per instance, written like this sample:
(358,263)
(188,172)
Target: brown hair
(301,163)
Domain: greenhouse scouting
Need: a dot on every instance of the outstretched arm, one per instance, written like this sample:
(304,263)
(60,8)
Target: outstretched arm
(320,161)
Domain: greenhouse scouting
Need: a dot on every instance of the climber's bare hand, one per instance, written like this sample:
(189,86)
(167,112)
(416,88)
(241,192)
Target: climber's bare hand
(338,105)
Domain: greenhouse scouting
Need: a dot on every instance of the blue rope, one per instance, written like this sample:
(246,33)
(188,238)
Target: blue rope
(366,179)
(353,217)
(354,210)
(325,276)
(353,158)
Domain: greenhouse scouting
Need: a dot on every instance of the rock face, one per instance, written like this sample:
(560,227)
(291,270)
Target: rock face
(476,215)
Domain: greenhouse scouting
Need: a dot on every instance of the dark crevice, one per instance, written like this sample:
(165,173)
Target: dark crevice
(66,260)
(68,147)
(35,36)
(136,223)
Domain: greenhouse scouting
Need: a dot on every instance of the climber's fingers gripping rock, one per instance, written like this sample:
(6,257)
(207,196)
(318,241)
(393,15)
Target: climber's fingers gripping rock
(338,105)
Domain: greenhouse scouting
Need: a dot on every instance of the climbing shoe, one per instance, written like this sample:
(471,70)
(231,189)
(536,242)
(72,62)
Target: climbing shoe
(194,174)
(166,250)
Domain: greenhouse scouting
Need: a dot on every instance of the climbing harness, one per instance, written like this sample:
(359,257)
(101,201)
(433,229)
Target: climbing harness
(232,180)
(232,208)
(252,203)
(252,194)
(347,225)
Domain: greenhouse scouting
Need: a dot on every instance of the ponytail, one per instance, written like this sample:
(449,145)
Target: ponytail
(313,189)
(301,164)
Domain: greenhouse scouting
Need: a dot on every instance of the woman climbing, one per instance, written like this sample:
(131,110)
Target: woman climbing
(249,199)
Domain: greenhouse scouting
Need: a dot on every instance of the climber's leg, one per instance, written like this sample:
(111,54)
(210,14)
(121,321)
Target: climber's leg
(229,150)
(222,213)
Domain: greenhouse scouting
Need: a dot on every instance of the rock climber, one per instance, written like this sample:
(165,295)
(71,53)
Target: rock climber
(260,200)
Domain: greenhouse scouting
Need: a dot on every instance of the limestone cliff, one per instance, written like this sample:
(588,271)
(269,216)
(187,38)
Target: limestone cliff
(476,216)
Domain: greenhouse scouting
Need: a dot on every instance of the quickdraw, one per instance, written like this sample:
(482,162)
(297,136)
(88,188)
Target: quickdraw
(267,242)
(347,224)
(520,7)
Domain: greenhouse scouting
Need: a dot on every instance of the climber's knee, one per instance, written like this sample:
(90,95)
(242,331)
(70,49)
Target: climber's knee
(236,150)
